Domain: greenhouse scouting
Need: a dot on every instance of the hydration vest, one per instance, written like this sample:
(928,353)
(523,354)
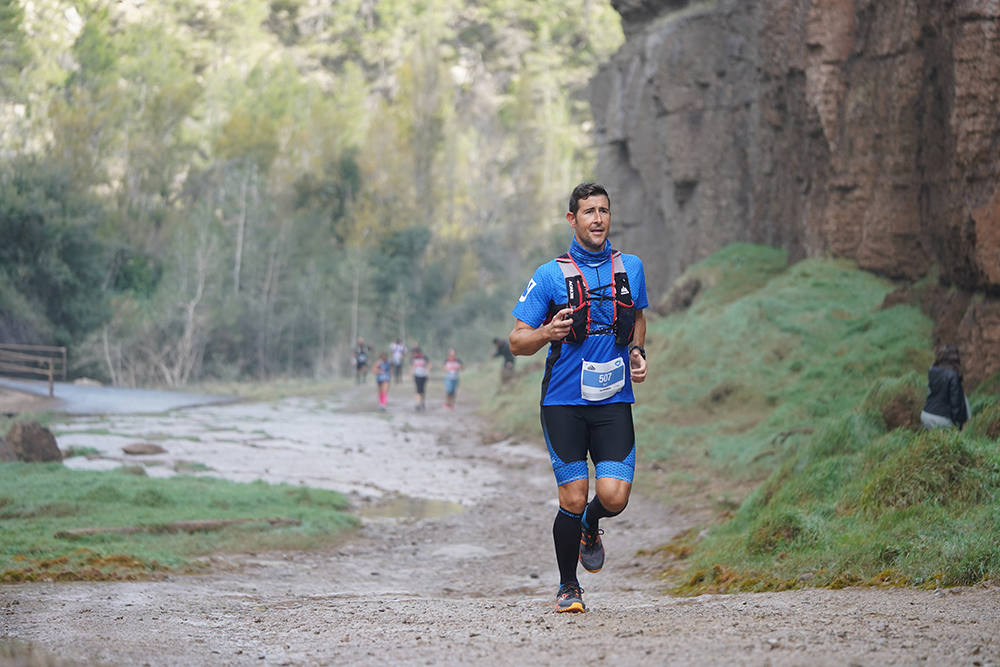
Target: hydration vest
(579,297)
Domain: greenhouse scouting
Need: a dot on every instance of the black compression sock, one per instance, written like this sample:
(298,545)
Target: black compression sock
(566,535)
(594,512)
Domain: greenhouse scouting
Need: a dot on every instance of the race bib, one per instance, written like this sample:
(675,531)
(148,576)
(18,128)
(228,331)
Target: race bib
(599,380)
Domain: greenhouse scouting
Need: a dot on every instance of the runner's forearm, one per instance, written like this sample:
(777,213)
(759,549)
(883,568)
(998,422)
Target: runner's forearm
(525,340)
(639,333)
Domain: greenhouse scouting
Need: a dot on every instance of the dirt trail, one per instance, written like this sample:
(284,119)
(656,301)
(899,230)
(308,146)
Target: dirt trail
(453,565)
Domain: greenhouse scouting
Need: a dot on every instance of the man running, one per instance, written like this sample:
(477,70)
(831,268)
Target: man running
(398,351)
(587,305)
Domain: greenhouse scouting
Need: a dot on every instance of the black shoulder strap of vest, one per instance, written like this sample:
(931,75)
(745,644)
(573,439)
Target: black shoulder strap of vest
(576,298)
(624,324)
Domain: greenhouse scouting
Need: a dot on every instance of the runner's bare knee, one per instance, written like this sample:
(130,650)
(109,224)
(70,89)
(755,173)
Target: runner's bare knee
(614,493)
(573,496)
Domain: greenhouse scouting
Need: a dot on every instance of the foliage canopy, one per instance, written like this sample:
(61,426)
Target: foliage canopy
(272,179)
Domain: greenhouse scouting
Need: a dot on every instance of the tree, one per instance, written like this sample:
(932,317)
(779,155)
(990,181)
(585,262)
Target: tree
(274,174)
(160,95)
(14,53)
(51,262)
(86,117)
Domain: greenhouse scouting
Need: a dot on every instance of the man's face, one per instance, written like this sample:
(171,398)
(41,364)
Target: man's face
(592,222)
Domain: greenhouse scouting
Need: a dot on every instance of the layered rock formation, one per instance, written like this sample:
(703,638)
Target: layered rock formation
(859,128)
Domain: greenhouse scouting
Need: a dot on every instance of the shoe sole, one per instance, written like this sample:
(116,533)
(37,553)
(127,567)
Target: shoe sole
(575,608)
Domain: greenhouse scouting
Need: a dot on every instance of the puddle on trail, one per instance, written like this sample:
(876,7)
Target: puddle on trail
(408,507)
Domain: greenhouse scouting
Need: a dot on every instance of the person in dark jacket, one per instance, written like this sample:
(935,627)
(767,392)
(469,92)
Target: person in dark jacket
(946,404)
(503,350)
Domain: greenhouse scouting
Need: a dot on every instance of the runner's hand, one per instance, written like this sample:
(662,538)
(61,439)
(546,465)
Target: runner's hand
(637,366)
(561,323)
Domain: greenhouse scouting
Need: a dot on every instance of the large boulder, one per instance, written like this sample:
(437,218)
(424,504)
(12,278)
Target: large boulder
(31,442)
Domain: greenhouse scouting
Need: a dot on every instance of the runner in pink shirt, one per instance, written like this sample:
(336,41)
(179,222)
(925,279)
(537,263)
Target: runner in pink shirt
(452,365)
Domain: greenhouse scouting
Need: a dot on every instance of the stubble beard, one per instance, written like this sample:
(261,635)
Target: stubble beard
(589,245)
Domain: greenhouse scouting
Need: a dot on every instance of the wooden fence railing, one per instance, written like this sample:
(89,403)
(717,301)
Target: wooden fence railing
(38,360)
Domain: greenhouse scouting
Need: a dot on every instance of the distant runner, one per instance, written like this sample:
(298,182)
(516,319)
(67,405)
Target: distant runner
(421,369)
(398,352)
(360,360)
(452,365)
(383,373)
(587,305)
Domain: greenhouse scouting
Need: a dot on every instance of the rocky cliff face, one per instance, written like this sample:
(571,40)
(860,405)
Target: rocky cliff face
(860,128)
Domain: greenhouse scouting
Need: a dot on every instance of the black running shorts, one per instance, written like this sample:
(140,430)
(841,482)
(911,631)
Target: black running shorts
(605,432)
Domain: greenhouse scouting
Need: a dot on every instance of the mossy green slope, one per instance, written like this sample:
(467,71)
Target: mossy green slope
(798,374)
(765,353)
(859,505)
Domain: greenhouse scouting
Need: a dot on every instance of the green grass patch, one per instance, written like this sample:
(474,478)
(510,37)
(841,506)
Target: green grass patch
(937,468)
(880,507)
(41,501)
(70,452)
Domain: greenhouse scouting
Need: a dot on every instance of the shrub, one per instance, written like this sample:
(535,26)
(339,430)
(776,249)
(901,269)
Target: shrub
(896,401)
(774,532)
(986,422)
(974,566)
(938,468)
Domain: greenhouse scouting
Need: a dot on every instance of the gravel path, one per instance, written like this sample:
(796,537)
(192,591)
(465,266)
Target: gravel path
(453,565)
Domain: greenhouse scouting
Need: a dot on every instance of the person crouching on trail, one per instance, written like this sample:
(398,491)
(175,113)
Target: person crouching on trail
(587,306)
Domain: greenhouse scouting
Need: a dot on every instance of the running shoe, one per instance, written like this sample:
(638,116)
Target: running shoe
(570,598)
(591,550)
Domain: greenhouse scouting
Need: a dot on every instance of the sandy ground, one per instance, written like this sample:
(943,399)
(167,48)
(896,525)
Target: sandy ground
(453,565)
(14,402)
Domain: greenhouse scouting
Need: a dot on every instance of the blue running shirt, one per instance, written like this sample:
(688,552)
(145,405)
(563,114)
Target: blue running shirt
(564,362)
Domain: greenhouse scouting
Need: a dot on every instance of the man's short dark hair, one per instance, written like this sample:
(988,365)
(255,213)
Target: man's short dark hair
(583,191)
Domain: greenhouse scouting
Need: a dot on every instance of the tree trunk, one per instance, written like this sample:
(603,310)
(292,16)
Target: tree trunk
(112,373)
(241,227)
(354,309)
